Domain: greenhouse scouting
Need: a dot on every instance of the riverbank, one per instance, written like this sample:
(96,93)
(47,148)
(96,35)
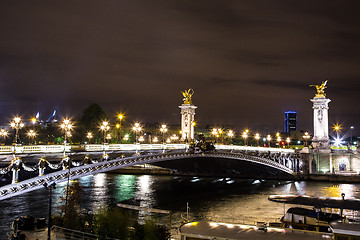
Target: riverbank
(339,177)
(154,170)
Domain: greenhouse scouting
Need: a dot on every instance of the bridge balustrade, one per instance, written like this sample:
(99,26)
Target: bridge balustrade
(252,148)
(5,149)
(128,147)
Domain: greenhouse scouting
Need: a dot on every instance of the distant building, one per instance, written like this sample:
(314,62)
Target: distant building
(290,121)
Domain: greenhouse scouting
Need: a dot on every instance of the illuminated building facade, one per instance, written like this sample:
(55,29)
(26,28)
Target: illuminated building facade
(290,121)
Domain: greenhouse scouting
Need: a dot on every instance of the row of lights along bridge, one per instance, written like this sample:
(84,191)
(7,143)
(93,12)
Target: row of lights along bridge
(137,134)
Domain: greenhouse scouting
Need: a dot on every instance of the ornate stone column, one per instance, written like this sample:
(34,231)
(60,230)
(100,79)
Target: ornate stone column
(321,123)
(187,116)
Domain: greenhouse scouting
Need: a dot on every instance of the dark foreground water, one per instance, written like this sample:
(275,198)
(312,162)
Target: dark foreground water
(217,199)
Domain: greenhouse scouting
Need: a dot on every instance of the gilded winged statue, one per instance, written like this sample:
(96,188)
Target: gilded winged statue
(187,96)
(320,89)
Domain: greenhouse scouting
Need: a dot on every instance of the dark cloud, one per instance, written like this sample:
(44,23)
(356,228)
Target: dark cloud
(245,59)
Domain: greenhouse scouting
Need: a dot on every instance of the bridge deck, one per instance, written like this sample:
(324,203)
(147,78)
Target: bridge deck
(104,166)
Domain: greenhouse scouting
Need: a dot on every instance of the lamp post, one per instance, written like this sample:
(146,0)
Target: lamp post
(268,138)
(50,187)
(33,121)
(278,139)
(118,126)
(306,136)
(288,140)
(174,138)
(215,133)
(104,127)
(31,134)
(89,136)
(230,135)
(3,133)
(136,128)
(163,130)
(66,126)
(245,136)
(257,137)
(337,128)
(351,132)
(17,124)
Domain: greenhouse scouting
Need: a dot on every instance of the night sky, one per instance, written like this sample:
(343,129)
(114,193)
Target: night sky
(248,61)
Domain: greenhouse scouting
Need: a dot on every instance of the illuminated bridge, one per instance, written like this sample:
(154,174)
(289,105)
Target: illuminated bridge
(226,161)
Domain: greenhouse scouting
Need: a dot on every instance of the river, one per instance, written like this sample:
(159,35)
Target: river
(230,200)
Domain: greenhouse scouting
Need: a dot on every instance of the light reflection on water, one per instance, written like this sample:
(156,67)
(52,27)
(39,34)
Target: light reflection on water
(125,187)
(240,201)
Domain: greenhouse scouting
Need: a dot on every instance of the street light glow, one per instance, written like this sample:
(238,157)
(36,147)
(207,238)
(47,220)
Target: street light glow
(120,116)
(337,127)
(89,135)
(3,133)
(338,141)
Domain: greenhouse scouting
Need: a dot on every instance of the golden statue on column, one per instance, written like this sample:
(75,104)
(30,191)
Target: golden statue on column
(187,96)
(320,89)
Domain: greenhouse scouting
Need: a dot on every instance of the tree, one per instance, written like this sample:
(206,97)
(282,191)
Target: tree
(70,216)
(90,120)
(150,231)
(112,223)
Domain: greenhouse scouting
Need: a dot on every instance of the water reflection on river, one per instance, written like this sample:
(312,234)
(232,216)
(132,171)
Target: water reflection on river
(218,199)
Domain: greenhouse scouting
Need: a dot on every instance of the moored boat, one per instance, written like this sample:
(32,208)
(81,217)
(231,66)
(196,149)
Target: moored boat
(319,217)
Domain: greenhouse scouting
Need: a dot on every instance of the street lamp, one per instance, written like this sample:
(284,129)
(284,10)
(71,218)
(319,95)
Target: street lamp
(306,136)
(118,126)
(245,136)
(163,130)
(141,139)
(108,137)
(89,136)
(66,125)
(136,128)
(31,134)
(174,138)
(17,124)
(215,133)
(230,135)
(337,128)
(257,137)
(351,132)
(155,139)
(278,138)
(3,133)
(268,138)
(50,187)
(288,140)
(104,127)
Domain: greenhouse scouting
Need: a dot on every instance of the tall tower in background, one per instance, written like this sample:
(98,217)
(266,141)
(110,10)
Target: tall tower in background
(290,121)
(187,116)
(321,122)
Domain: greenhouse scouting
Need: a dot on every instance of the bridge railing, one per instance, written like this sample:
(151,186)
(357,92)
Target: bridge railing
(5,149)
(87,147)
(255,159)
(251,148)
(125,147)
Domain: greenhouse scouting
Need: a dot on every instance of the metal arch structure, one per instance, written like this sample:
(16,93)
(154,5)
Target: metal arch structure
(32,184)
